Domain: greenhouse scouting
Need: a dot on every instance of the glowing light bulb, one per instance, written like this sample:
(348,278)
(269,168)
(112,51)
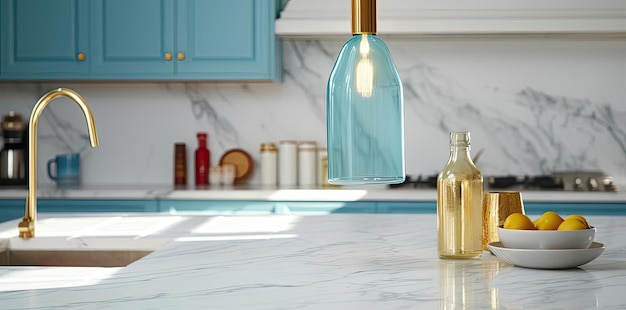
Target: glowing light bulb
(364,72)
(364,46)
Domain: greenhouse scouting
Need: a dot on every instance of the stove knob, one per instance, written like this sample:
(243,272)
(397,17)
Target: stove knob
(578,184)
(609,186)
(592,184)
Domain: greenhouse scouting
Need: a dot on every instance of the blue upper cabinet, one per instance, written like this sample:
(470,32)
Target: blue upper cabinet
(132,38)
(139,40)
(231,39)
(42,38)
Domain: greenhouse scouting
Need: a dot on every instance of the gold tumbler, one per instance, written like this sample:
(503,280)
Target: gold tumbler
(497,206)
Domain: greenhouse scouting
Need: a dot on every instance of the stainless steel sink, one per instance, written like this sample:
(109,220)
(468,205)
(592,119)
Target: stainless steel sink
(76,252)
(74,258)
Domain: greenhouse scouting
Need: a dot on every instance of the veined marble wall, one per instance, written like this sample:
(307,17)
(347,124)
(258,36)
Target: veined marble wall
(533,105)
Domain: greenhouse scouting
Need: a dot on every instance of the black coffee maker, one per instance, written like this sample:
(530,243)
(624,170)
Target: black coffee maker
(14,153)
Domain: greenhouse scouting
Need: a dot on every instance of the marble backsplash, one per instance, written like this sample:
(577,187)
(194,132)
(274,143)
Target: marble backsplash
(533,105)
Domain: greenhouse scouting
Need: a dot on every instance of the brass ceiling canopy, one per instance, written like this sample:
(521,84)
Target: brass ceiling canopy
(363,16)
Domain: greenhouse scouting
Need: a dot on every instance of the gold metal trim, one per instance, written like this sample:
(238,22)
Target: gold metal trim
(26,227)
(363,16)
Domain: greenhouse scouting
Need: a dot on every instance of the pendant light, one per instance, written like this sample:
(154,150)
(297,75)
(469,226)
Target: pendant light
(364,108)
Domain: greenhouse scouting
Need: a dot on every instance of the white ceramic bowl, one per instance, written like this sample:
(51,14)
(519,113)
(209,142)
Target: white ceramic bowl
(546,239)
(547,259)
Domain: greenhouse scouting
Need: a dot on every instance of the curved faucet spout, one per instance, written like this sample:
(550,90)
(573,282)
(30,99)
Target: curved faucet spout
(27,226)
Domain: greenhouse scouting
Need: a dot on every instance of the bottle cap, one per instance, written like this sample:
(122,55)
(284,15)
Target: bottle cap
(268,147)
(307,145)
(460,138)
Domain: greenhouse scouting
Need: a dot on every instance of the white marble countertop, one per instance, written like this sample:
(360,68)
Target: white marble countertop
(367,193)
(303,262)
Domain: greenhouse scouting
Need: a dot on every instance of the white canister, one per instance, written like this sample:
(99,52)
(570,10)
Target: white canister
(269,164)
(307,163)
(228,174)
(287,163)
(215,175)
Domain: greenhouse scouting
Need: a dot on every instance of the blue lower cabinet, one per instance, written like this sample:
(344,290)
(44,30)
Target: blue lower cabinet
(14,208)
(215,207)
(96,205)
(11,209)
(320,208)
(407,207)
(582,208)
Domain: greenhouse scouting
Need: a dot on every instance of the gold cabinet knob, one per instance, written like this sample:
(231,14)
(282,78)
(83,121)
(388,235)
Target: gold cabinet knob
(168,56)
(181,56)
(81,56)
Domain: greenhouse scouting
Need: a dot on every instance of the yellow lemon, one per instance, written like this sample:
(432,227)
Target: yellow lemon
(576,216)
(518,221)
(572,224)
(550,220)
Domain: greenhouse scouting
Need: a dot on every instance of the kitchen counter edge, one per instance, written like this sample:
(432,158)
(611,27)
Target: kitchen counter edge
(376,193)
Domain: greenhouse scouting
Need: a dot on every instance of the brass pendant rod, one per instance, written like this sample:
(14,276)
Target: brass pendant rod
(363,16)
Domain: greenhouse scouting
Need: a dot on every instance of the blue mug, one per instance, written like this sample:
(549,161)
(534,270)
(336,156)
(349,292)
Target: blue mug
(67,169)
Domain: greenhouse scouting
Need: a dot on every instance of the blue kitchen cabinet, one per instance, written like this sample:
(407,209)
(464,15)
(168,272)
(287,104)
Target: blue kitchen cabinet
(14,208)
(11,209)
(96,205)
(531,208)
(324,207)
(210,207)
(139,40)
(43,39)
(407,207)
(132,38)
(184,40)
(214,207)
(582,208)
(226,39)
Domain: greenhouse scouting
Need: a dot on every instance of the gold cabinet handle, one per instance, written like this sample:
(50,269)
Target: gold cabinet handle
(181,56)
(81,56)
(168,56)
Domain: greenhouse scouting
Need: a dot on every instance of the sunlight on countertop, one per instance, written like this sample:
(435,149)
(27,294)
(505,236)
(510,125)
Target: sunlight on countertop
(28,278)
(76,232)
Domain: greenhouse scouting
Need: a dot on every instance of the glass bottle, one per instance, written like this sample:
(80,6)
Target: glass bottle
(202,160)
(459,203)
(365,109)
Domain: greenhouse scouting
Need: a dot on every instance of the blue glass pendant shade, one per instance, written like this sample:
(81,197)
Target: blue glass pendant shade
(365,115)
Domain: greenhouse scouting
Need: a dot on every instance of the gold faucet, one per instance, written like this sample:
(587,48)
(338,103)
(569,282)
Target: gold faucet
(27,226)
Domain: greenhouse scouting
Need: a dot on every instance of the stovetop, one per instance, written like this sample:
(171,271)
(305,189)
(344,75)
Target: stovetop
(591,181)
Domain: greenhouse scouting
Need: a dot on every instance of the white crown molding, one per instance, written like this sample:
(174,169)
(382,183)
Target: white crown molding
(459,17)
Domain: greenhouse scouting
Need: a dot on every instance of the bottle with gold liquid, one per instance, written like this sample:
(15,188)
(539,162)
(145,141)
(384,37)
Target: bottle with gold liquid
(459,203)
